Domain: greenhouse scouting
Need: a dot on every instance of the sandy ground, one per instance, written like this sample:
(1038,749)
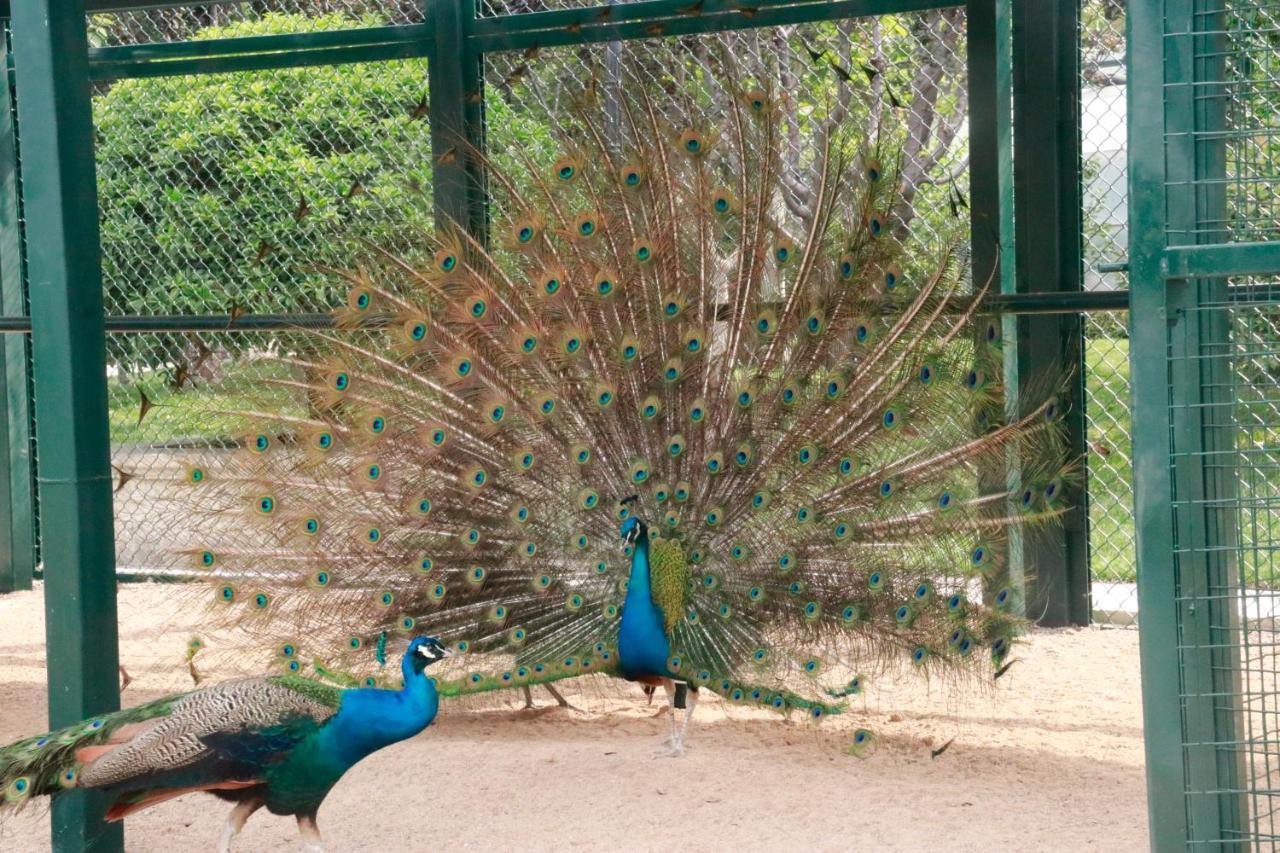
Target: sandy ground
(1049,760)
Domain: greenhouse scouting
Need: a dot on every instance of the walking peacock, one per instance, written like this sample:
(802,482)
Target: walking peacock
(784,410)
(281,741)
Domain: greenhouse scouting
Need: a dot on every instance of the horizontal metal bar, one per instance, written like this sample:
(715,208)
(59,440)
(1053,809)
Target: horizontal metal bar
(1065,302)
(163,51)
(1117,266)
(125,5)
(262,61)
(1016,303)
(1221,260)
(654,18)
(1258,293)
(193,323)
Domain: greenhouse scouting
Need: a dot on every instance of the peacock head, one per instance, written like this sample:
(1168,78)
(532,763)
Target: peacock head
(424,651)
(633,529)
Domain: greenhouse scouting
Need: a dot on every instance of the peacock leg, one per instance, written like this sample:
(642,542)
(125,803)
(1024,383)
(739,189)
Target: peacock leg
(688,715)
(560,700)
(310,834)
(672,743)
(555,694)
(236,821)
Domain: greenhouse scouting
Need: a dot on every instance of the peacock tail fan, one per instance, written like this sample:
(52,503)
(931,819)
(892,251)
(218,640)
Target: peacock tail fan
(807,400)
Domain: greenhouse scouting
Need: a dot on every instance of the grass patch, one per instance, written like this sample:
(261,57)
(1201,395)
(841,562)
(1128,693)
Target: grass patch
(199,413)
(1111,529)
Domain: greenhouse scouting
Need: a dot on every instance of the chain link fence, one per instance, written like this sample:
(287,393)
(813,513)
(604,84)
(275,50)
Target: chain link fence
(236,193)
(239,193)
(211,20)
(898,80)
(1103,175)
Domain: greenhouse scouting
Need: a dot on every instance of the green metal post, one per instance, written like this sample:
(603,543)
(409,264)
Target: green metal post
(984,135)
(457,117)
(1149,323)
(17,548)
(64,271)
(1202,412)
(1186,571)
(991,205)
(1046,106)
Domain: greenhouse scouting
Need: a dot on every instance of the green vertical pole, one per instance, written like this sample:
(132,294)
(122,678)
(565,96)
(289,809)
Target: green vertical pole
(984,195)
(991,205)
(1203,436)
(17,548)
(65,282)
(990,189)
(457,99)
(1150,323)
(1046,106)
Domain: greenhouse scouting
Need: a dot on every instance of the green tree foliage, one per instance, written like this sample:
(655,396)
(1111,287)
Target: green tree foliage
(229,188)
(224,189)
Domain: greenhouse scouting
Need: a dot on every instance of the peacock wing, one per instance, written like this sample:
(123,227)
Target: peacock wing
(227,732)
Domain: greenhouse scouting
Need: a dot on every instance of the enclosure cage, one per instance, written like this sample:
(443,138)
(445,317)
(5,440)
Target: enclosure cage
(173,173)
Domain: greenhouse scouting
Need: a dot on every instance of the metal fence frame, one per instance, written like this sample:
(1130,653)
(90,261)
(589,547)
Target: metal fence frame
(1022,58)
(1181,260)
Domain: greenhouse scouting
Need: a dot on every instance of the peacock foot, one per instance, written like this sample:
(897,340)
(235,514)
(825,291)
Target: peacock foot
(670,748)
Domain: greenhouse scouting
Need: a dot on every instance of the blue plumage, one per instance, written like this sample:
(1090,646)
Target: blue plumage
(367,720)
(281,742)
(643,647)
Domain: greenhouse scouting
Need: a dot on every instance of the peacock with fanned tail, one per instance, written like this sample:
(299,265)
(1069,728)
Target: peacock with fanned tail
(789,409)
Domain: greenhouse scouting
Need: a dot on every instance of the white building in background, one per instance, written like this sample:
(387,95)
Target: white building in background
(1105,170)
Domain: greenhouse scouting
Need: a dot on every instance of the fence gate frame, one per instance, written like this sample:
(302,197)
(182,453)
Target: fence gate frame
(1180,261)
(1025,216)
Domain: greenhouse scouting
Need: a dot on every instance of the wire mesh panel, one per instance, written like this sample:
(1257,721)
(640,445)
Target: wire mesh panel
(1112,560)
(205,20)
(1104,177)
(231,194)
(899,79)
(16,349)
(1222,348)
(1104,167)
(496,8)
(1233,47)
(1226,465)
(1252,131)
(1205,368)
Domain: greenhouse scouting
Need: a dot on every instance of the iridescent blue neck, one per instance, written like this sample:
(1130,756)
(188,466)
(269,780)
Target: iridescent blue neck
(642,641)
(369,718)
(638,581)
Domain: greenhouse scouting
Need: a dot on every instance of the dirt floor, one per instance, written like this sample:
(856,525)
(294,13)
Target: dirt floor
(1051,759)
